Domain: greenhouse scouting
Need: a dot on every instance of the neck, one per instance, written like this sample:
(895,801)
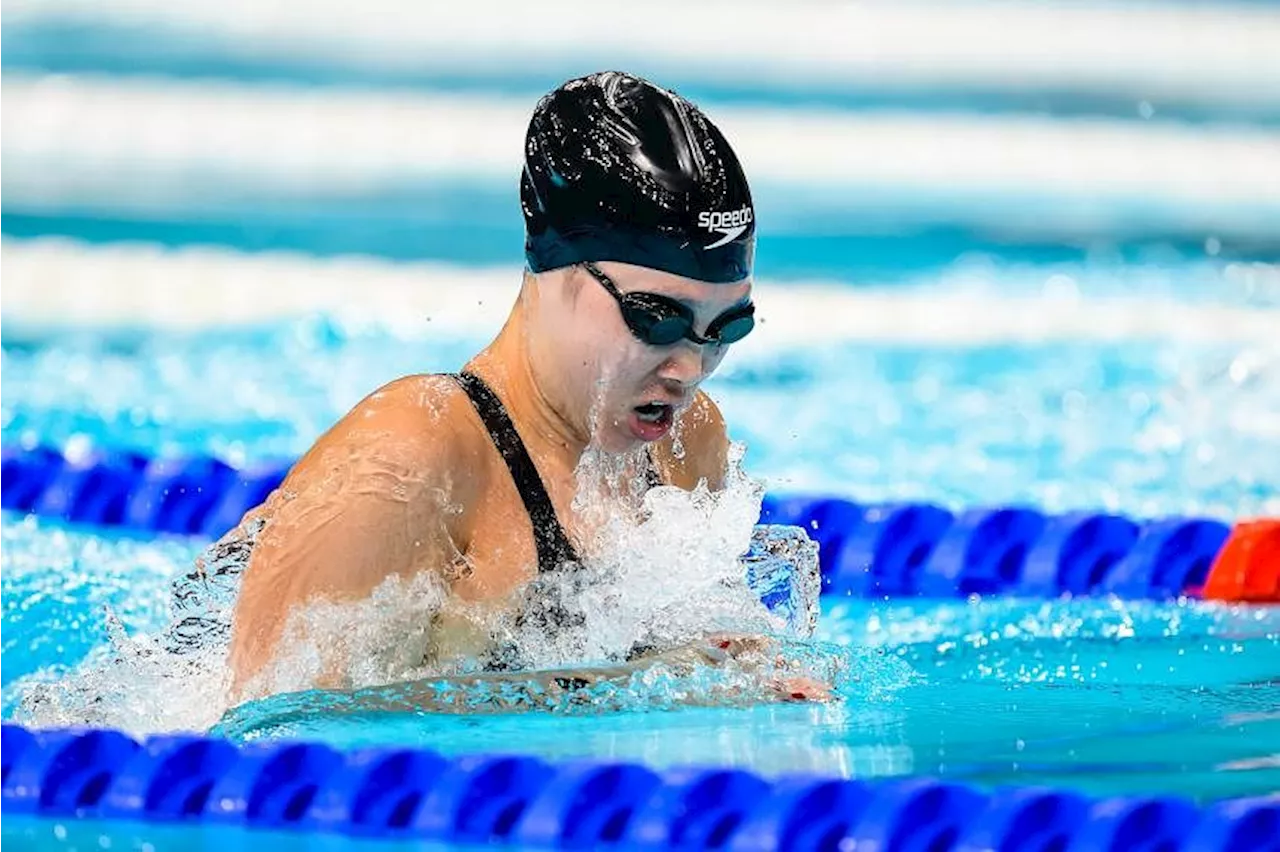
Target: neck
(509,366)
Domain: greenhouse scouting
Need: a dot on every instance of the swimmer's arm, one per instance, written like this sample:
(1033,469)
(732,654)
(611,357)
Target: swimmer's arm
(507,691)
(545,690)
(530,691)
(479,694)
(501,691)
(372,501)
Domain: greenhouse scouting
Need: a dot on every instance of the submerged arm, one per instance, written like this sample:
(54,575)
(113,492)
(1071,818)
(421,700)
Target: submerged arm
(668,677)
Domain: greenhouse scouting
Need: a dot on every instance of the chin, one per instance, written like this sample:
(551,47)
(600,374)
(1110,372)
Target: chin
(618,434)
(616,438)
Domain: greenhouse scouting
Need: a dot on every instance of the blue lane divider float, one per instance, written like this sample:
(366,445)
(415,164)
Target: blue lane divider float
(925,550)
(881,550)
(410,794)
(192,496)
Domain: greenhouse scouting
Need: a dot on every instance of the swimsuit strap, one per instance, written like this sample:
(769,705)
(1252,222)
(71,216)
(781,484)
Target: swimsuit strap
(553,545)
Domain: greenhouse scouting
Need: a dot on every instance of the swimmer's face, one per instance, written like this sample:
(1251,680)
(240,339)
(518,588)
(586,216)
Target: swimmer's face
(634,391)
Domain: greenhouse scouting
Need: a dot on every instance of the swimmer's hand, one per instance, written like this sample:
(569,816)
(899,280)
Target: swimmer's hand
(753,652)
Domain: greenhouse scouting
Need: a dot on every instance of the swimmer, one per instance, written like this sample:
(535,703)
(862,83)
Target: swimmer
(640,238)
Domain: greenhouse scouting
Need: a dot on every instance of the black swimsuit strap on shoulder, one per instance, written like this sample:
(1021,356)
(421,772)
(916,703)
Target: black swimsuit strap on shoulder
(554,547)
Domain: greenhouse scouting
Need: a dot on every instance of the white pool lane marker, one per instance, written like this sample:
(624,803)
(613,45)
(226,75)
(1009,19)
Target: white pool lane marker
(131,143)
(58,284)
(1213,54)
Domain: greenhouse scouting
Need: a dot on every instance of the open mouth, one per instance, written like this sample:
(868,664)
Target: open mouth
(652,420)
(654,412)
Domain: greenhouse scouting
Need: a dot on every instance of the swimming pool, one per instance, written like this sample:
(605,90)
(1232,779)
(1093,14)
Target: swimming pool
(1095,694)
(1084,323)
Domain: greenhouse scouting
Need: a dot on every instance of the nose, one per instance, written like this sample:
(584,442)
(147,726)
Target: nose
(686,363)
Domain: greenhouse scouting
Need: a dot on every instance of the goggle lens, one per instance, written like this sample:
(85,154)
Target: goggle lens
(660,321)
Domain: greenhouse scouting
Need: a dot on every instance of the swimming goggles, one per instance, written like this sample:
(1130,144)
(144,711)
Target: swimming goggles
(662,321)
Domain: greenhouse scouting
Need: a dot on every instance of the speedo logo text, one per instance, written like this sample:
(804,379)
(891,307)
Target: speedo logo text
(728,223)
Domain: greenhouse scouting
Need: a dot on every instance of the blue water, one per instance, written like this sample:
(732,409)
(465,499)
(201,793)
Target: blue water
(69,46)
(475,226)
(1176,707)
(1093,694)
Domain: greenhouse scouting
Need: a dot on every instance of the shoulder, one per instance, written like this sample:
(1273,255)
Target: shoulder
(391,485)
(386,491)
(703,435)
(702,422)
(413,429)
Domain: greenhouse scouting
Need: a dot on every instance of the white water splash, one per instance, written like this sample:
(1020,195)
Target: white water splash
(381,639)
(664,569)
(657,574)
(133,684)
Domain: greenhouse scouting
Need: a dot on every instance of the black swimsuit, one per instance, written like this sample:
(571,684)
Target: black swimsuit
(554,548)
(543,606)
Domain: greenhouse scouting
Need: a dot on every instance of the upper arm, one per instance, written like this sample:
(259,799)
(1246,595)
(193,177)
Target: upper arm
(373,499)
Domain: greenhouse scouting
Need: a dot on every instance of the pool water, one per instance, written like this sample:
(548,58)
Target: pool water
(1098,695)
(1090,696)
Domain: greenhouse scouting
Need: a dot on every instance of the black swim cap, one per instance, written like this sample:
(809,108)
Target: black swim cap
(617,168)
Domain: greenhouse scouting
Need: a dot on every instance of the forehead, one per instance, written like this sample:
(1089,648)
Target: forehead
(633,279)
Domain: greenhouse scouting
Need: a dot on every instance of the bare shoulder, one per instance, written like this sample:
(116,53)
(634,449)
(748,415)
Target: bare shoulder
(417,400)
(409,437)
(703,435)
(403,452)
